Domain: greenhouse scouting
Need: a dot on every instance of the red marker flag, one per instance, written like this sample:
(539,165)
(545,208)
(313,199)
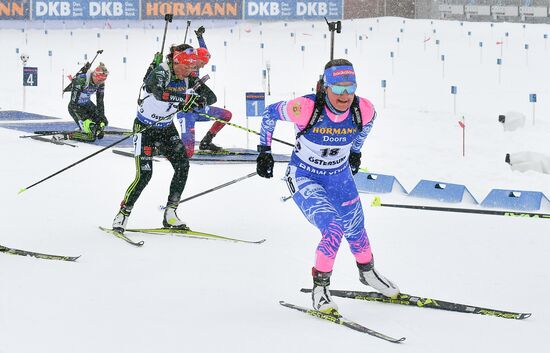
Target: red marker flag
(499,42)
(462,124)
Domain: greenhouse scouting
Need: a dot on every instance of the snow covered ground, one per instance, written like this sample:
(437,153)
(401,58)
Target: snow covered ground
(186,295)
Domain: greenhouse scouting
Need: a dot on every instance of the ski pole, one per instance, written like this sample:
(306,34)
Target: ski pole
(186,30)
(93,154)
(215,188)
(166,118)
(79,161)
(242,128)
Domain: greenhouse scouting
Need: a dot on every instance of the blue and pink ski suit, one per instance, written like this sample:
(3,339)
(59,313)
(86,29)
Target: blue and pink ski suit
(319,176)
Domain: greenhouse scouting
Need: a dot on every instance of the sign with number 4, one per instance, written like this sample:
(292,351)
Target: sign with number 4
(30,76)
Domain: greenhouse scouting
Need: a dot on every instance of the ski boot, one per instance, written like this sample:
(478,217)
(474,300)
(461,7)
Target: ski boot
(320,295)
(370,277)
(171,219)
(121,219)
(206,143)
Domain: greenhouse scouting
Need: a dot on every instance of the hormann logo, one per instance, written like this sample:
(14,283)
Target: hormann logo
(334,130)
(192,8)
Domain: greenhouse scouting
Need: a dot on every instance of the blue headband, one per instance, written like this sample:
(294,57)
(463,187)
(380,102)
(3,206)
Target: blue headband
(336,74)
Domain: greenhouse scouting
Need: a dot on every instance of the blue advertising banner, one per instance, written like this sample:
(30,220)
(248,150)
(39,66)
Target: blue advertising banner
(14,9)
(293,10)
(197,9)
(85,9)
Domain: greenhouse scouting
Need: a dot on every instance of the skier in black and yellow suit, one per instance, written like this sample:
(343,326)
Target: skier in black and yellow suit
(166,90)
(89,117)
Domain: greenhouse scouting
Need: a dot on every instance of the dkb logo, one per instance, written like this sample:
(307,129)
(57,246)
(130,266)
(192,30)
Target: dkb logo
(54,9)
(105,8)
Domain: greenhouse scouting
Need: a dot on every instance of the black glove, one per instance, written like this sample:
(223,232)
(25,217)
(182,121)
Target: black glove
(189,104)
(194,102)
(264,162)
(354,162)
(199,103)
(200,31)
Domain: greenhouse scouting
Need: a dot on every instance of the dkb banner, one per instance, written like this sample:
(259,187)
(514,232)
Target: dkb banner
(14,9)
(293,10)
(85,9)
(198,9)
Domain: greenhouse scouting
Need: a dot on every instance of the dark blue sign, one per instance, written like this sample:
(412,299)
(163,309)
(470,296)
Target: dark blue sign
(30,76)
(293,9)
(383,83)
(255,103)
(85,9)
(453,89)
(533,98)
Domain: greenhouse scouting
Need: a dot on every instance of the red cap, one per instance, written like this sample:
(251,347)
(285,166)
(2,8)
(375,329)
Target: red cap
(186,57)
(203,54)
(101,72)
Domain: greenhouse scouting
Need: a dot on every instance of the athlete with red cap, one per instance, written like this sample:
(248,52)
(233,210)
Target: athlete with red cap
(166,91)
(188,128)
(90,117)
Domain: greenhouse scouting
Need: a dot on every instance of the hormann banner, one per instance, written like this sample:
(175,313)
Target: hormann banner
(14,9)
(198,9)
(293,10)
(85,9)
